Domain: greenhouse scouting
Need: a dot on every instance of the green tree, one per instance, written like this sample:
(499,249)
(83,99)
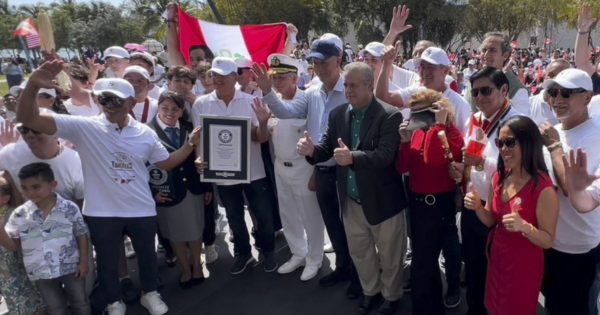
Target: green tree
(33,10)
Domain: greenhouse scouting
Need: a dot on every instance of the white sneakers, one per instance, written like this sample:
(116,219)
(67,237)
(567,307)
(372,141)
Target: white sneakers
(129,252)
(153,302)
(328,248)
(291,265)
(309,272)
(211,253)
(117,308)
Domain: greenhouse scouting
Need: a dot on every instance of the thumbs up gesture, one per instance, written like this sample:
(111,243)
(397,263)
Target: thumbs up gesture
(513,221)
(342,155)
(305,146)
(472,199)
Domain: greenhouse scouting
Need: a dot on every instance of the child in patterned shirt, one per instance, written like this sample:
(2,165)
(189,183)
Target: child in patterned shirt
(52,237)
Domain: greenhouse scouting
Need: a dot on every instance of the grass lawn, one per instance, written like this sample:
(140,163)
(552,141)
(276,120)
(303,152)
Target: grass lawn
(4,84)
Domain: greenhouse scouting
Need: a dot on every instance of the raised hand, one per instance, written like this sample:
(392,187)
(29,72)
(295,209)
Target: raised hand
(262,77)
(342,155)
(8,134)
(472,199)
(43,77)
(577,177)
(405,135)
(195,136)
(584,18)
(172,9)
(261,110)
(440,114)
(305,146)
(51,56)
(389,53)
(399,17)
(513,221)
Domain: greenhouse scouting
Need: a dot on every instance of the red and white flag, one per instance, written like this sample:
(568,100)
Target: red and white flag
(255,42)
(27,28)
(547,41)
(514,44)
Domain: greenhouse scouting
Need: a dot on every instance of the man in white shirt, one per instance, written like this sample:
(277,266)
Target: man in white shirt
(539,109)
(146,107)
(304,63)
(316,105)
(227,101)
(116,60)
(470,70)
(570,265)
(114,149)
(146,61)
(301,218)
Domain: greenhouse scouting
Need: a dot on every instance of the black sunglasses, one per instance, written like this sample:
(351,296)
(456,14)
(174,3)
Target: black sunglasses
(115,101)
(46,95)
(24,130)
(565,93)
(509,142)
(485,91)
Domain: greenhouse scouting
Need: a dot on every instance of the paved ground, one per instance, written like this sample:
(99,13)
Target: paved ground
(256,292)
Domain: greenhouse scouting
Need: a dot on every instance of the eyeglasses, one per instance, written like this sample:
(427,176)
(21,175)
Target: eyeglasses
(565,93)
(115,101)
(509,142)
(24,130)
(485,91)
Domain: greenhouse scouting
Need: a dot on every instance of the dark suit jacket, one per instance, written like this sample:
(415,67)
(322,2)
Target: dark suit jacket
(379,185)
(182,178)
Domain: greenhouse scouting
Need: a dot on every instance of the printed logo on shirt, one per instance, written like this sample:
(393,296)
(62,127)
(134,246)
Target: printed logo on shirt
(121,168)
(479,134)
(225,136)
(157,176)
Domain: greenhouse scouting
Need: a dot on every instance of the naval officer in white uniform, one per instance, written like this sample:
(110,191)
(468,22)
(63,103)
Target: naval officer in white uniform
(299,209)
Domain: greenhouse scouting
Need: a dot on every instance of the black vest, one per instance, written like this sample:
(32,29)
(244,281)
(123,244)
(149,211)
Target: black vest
(178,181)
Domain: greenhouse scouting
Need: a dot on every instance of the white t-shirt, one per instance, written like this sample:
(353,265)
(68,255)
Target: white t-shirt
(198,89)
(81,109)
(578,233)
(66,167)
(468,73)
(240,106)
(114,164)
(403,78)
(462,110)
(138,110)
(155,92)
(540,111)
(520,101)
(594,106)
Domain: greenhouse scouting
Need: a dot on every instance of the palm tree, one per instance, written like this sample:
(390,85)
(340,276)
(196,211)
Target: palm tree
(152,10)
(33,10)
(6,9)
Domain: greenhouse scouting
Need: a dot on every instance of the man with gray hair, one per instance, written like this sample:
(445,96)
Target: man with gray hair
(495,52)
(363,140)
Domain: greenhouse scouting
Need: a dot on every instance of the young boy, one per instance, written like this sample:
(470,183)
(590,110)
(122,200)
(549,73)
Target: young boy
(182,80)
(52,236)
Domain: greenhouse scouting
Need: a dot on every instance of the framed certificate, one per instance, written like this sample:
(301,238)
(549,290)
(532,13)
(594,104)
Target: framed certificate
(226,148)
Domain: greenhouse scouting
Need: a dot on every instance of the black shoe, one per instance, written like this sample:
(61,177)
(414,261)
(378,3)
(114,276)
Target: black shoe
(367,304)
(452,299)
(186,284)
(240,264)
(334,278)
(406,286)
(171,261)
(354,291)
(128,292)
(271,263)
(197,281)
(387,308)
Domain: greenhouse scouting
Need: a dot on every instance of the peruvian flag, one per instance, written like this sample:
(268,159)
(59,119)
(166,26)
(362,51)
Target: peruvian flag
(514,44)
(547,41)
(255,42)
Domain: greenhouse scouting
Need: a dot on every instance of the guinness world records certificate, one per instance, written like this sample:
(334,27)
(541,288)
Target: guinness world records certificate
(226,147)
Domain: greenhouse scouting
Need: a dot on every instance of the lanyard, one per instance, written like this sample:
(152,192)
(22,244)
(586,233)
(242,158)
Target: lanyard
(144,113)
(493,124)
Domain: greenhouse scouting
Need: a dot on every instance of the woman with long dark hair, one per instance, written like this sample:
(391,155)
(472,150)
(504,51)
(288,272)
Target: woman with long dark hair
(523,211)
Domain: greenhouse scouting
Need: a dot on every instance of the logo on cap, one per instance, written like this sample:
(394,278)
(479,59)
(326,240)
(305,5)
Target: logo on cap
(113,83)
(275,62)
(219,62)
(427,52)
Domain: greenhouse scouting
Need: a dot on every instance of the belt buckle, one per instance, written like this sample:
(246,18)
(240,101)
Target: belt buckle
(430,197)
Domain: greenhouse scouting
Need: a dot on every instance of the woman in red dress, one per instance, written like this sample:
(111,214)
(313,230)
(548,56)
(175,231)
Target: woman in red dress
(524,211)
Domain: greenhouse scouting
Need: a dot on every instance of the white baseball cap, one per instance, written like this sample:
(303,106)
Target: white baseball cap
(137,69)
(223,66)
(146,56)
(15,90)
(434,56)
(119,87)
(472,62)
(373,48)
(243,63)
(117,52)
(571,79)
(336,40)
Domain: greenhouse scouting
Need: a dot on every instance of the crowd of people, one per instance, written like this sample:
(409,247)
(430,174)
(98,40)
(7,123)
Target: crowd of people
(487,159)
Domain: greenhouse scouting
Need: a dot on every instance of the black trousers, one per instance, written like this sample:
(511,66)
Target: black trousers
(208,235)
(107,235)
(430,222)
(474,237)
(567,281)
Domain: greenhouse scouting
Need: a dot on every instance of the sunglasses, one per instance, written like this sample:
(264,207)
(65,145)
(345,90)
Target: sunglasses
(485,91)
(565,93)
(509,142)
(46,95)
(115,101)
(24,130)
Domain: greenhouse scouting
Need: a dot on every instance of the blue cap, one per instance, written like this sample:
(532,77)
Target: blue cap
(324,49)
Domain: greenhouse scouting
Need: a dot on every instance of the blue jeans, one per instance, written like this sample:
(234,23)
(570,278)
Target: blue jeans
(262,204)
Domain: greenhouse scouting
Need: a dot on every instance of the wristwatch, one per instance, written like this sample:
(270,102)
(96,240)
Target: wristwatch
(479,167)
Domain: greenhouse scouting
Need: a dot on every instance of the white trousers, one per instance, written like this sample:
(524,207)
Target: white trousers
(301,216)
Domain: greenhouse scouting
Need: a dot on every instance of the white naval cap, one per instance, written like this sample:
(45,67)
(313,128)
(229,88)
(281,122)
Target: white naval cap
(282,64)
